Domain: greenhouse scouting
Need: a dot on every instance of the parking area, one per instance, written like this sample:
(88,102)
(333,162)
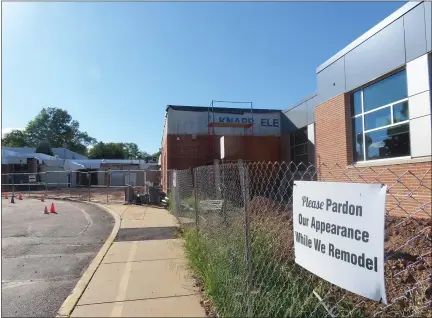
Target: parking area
(44,255)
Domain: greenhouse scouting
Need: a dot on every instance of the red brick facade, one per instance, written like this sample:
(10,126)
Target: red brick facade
(333,132)
(409,183)
(186,151)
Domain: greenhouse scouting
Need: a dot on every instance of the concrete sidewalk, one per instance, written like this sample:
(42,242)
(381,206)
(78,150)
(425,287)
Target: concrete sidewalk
(144,273)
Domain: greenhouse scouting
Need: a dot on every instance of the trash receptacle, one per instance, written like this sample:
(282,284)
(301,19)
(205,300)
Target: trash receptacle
(129,194)
(154,197)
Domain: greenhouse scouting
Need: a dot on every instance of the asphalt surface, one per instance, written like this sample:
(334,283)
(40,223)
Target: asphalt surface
(44,256)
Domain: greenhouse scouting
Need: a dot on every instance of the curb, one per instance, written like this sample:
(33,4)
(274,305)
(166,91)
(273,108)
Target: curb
(71,301)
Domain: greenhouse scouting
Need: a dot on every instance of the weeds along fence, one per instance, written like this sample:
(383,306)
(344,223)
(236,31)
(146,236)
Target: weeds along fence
(240,242)
(97,186)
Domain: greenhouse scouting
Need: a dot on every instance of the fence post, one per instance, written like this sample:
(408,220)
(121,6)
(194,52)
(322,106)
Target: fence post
(58,174)
(174,193)
(223,194)
(89,183)
(108,180)
(217,179)
(195,191)
(244,182)
(145,182)
(13,181)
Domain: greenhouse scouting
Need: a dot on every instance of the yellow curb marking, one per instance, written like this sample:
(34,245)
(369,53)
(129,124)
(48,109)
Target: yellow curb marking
(124,282)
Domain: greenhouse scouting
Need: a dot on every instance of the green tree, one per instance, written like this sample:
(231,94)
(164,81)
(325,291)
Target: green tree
(57,127)
(110,150)
(133,152)
(44,147)
(156,154)
(15,138)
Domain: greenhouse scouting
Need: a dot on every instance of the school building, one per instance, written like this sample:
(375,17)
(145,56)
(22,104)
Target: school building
(372,108)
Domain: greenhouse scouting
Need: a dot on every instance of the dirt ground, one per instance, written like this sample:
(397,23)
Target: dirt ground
(407,250)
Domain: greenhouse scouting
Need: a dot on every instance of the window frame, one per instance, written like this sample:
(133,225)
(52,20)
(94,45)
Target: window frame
(362,116)
(294,145)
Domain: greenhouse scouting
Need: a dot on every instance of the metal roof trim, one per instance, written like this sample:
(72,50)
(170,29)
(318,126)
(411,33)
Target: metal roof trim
(228,110)
(305,99)
(371,32)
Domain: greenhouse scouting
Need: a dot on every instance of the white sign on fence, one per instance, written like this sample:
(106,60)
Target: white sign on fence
(222,147)
(32,178)
(174,178)
(339,234)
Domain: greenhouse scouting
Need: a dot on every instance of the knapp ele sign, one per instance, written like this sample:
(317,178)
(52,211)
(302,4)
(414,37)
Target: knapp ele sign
(264,122)
(339,234)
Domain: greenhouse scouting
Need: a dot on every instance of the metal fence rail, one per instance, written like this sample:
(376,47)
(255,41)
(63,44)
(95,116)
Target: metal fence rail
(243,244)
(98,186)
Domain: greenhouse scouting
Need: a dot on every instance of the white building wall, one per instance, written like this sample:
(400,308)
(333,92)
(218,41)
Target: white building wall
(419,100)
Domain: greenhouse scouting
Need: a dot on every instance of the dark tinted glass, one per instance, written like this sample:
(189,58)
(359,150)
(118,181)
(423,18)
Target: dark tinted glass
(300,136)
(378,118)
(300,150)
(302,158)
(358,139)
(384,92)
(400,112)
(388,142)
(356,107)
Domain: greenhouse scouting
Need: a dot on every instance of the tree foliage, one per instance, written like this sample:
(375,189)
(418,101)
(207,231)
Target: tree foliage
(45,147)
(15,138)
(116,150)
(133,152)
(110,150)
(156,154)
(57,127)
(54,127)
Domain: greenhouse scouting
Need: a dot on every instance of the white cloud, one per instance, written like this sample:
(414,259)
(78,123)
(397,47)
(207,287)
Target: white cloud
(377,145)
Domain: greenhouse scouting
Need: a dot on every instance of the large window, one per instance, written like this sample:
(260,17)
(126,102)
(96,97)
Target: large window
(381,119)
(299,146)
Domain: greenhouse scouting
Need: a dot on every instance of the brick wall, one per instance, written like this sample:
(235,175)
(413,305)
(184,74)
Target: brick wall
(285,148)
(164,168)
(252,148)
(333,131)
(185,151)
(409,183)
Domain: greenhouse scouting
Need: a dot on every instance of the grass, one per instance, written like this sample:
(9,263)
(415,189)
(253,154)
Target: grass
(170,202)
(279,287)
(190,201)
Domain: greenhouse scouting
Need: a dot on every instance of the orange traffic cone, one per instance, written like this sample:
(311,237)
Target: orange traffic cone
(52,210)
(46,210)
(6,195)
(42,197)
(20,196)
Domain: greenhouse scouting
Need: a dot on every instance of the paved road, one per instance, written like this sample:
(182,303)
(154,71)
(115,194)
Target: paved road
(43,256)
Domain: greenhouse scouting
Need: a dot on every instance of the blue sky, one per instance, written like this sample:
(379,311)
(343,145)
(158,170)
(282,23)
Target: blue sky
(116,65)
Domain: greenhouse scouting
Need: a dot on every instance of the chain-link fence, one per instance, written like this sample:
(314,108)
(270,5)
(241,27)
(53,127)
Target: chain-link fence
(240,240)
(97,186)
